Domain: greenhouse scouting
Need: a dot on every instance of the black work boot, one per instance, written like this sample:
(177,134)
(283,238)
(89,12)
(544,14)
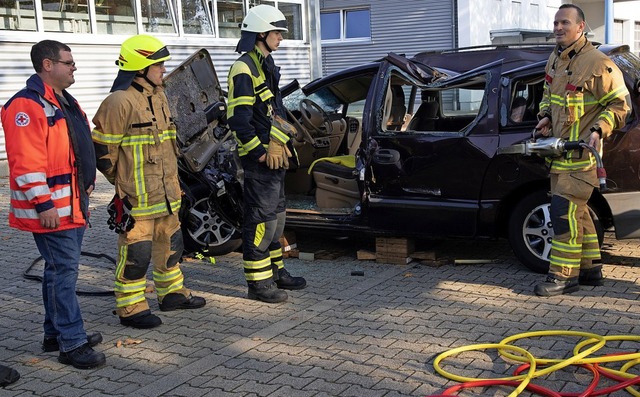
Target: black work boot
(178,301)
(284,280)
(142,320)
(266,291)
(51,344)
(84,357)
(8,375)
(554,286)
(592,277)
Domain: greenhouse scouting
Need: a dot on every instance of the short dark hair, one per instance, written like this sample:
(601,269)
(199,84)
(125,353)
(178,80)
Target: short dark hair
(581,17)
(46,49)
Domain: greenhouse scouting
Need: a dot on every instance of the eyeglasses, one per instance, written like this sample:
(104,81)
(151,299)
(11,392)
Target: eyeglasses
(68,63)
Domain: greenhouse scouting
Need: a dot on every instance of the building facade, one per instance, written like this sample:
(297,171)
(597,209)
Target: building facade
(94,29)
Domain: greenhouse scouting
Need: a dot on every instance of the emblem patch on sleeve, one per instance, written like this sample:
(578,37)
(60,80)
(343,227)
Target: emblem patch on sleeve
(22,119)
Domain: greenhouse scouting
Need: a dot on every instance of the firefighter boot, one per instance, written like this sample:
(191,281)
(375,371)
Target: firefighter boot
(266,291)
(554,286)
(142,320)
(284,280)
(592,277)
(178,301)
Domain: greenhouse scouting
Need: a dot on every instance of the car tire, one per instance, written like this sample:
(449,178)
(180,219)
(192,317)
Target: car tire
(201,223)
(531,230)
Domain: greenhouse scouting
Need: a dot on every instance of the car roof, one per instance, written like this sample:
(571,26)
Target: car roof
(461,60)
(464,59)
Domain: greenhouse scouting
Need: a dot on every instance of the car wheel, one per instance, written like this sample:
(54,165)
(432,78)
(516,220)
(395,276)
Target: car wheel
(531,231)
(203,227)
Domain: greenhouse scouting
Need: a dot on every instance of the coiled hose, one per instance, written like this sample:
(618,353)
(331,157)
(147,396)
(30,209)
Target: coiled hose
(537,367)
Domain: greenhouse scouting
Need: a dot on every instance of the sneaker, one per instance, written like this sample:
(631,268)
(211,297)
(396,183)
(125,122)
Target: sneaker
(50,344)
(142,320)
(178,301)
(553,286)
(287,281)
(84,357)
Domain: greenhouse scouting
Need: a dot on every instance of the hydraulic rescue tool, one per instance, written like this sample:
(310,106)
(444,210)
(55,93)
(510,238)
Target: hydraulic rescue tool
(556,147)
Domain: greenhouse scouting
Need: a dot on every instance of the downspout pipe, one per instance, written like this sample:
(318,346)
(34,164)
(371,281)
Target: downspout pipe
(608,21)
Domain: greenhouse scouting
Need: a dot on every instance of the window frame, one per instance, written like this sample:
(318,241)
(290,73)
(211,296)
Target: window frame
(343,26)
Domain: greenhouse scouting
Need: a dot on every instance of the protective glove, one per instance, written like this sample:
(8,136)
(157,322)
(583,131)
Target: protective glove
(120,218)
(285,157)
(276,155)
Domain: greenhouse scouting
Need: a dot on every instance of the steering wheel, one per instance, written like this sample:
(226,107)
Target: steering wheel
(302,134)
(315,118)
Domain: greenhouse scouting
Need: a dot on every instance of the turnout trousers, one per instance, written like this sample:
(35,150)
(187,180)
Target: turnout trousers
(264,219)
(156,240)
(575,243)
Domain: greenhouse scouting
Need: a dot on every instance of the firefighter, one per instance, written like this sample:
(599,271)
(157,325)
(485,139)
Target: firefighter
(135,142)
(584,98)
(256,116)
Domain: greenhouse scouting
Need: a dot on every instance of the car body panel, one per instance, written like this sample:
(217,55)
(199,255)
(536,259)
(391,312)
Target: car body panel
(444,177)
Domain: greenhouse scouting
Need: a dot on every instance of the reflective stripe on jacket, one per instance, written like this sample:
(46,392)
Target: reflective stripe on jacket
(42,174)
(135,141)
(583,89)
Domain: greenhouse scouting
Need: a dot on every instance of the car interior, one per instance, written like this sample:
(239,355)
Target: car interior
(325,180)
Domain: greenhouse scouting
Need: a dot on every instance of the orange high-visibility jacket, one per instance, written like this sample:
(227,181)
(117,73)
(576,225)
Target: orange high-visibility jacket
(42,174)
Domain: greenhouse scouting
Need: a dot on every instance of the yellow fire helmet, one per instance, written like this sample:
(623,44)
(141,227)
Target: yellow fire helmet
(141,51)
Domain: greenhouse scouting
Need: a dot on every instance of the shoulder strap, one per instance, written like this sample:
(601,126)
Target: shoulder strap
(246,58)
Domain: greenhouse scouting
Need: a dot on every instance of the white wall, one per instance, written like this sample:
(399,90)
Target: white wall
(477,18)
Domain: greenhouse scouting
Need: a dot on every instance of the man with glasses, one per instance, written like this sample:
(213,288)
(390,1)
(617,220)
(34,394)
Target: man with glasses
(135,141)
(52,170)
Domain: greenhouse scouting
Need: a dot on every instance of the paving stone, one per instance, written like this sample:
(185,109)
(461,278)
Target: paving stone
(376,335)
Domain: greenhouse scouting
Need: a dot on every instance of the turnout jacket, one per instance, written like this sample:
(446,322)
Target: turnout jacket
(583,89)
(45,171)
(135,142)
(254,97)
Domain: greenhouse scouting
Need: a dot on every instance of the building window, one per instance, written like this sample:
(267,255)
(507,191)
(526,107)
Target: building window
(343,25)
(158,16)
(66,16)
(115,17)
(231,13)
(196,17)
(221,18)
(17,15)
(617,31)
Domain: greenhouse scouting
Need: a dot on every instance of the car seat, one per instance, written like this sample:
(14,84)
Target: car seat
(425,117)
(336,181)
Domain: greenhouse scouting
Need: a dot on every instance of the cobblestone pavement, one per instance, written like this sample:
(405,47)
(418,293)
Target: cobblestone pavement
(344,335)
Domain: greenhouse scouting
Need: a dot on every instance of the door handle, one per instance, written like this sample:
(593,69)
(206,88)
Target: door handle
(386,156)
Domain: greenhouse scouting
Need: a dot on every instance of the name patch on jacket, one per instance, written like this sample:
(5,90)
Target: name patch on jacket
(22,119)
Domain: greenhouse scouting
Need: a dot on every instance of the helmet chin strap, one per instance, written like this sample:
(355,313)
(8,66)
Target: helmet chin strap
(263,39)
(144,76)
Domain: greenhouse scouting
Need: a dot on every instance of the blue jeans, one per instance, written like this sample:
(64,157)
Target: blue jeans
(62,318)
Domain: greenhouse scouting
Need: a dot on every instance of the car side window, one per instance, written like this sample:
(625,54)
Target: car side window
(525,101)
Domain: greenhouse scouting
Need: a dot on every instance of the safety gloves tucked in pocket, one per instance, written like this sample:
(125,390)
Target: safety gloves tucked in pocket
(120,219)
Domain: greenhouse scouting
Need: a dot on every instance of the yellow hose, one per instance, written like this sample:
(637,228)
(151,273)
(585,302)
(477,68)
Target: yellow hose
(593,343)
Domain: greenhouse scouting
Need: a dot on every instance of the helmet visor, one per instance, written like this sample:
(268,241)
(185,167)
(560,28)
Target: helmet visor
(161,53)
(281,24)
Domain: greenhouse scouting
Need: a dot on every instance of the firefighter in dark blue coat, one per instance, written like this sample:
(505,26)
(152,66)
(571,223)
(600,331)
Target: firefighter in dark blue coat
(256,117)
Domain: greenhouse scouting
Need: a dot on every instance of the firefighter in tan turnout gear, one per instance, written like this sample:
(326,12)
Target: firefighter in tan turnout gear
(135,142)
(255,106)
(584,98)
